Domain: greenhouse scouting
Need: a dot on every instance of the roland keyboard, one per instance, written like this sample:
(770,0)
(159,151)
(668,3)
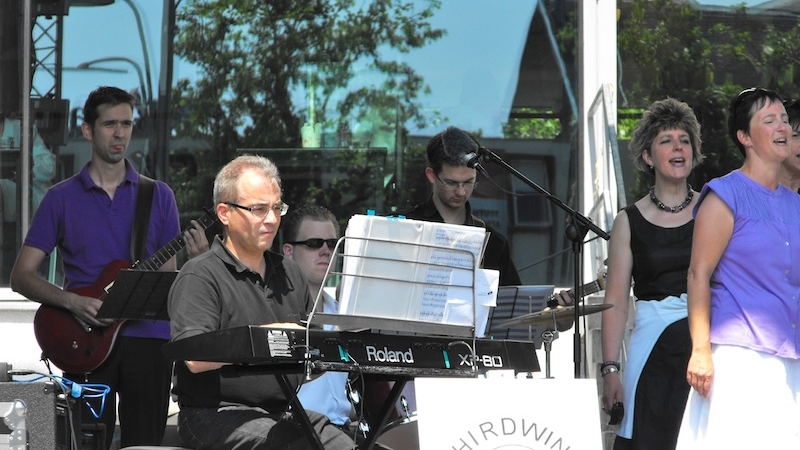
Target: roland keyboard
(286,350)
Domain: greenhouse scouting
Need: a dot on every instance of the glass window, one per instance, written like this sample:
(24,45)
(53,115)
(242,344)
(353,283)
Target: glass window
(345,101)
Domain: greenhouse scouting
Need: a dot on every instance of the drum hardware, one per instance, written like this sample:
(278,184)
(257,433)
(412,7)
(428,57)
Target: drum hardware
(547,339)
(402,433)
(404,406)
(547,314)
(554,314)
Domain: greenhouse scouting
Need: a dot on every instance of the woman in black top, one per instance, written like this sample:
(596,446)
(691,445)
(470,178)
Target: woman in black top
(650,246)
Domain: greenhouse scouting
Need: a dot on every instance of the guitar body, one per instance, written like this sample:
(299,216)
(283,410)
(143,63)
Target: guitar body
(72,346)
(76,347)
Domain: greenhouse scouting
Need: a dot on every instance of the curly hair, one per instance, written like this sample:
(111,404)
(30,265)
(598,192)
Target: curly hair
(667,114)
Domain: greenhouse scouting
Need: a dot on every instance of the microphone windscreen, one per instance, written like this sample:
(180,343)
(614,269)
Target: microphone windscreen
(457,143)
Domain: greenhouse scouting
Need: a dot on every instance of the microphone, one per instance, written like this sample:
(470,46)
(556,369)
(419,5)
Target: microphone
(472,160)
(461,146)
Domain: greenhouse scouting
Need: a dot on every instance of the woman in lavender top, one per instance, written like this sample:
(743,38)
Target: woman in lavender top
(744,292)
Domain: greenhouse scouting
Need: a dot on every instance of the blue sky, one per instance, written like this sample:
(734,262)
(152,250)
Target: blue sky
(482,83)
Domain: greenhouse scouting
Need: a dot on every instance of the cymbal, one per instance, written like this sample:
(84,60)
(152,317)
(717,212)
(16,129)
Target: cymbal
(549,314)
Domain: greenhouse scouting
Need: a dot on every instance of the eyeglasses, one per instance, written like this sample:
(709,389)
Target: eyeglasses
(260,211)
(451,185)
(316,243)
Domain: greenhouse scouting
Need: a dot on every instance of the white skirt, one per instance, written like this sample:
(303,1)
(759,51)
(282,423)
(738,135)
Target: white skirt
(753,403)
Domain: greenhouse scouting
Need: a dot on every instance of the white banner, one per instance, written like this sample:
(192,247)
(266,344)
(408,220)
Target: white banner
(508,413)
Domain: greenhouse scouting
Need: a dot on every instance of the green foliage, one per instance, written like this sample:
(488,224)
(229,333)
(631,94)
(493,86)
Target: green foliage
(414,187)
(535,125)
(778,56)
(191,179)
(627,118)
(676,53)
(253,55)
(668,42)
(346,182)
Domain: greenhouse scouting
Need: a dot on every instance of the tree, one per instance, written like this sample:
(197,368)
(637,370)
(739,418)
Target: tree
(675,51)
(254,54)
(678,51)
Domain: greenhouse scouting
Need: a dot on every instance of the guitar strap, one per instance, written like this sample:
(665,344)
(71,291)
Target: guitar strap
(141,218)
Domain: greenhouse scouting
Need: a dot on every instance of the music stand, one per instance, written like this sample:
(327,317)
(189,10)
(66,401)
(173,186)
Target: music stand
(515,301)
(138,294)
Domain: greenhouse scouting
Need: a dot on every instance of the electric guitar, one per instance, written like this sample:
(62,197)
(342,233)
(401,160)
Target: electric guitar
(77,347)
(587,289)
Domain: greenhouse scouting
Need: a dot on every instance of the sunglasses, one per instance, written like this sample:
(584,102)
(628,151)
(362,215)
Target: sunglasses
(316,243)
(747,93)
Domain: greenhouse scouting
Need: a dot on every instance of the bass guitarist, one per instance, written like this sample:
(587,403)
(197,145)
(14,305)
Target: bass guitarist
(89,218)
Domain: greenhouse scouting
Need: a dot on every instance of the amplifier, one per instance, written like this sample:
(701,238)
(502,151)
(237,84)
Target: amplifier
(39,401)
(50,419)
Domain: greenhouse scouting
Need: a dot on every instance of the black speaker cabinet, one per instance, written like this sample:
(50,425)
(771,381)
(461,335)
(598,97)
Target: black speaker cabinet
(39,399)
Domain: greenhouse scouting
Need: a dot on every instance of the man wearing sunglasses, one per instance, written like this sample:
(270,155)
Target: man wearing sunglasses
(453,183)
(310,233)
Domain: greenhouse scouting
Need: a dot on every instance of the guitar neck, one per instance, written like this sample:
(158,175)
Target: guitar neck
(173,247)
(162,256)
(589,288)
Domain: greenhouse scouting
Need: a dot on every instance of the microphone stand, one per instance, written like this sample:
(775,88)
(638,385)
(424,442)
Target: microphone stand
(575,231)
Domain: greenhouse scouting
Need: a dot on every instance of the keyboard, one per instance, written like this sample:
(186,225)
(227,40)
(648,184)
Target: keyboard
(290,350)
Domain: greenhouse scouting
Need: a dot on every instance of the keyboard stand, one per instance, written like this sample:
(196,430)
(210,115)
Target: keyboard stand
(302,417)
(298,411)
(386,410)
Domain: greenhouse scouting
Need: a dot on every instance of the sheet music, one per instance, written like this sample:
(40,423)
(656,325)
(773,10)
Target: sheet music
(414,270)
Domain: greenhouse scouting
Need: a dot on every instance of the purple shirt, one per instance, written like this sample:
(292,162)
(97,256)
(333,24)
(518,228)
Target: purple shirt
(755,288)
(91,230)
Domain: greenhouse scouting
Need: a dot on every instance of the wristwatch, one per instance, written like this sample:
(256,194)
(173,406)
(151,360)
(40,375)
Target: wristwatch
(609,369)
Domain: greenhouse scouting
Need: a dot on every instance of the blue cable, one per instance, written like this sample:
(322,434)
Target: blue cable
(86,391)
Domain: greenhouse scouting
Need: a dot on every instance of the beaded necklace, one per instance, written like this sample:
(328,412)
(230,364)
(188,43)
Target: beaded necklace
(672,209)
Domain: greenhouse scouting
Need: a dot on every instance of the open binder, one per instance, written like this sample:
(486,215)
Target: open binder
(412,276)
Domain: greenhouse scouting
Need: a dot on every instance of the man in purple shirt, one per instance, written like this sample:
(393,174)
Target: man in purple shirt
(89,218)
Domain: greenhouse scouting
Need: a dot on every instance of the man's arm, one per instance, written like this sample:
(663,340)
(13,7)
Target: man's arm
(203,366)
(26,282)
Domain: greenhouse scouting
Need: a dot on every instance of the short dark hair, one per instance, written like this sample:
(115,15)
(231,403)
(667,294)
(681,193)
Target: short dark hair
(105,95)
(437,155)
(294,218)
(743,107)
(667,114)
(793,110)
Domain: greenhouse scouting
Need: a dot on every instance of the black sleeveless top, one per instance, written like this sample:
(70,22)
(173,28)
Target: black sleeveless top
(660,257)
